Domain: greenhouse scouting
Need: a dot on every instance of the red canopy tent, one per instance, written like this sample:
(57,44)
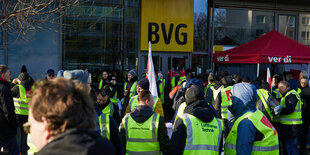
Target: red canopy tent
(271,48)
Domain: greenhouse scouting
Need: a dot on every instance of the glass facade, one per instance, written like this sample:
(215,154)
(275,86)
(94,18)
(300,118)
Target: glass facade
(287,25)
(101,34)
(239,26)
(304,29)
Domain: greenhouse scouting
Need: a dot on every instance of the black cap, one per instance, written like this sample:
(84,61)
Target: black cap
(144,84)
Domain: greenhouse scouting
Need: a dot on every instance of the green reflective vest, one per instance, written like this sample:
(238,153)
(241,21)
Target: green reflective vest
(264,95)
(161,90)
(109,109)
(134,102)
(100,84)
(182,78)
(142,138)
(278,94)
(132,90)
(216,92)
(292,118)
(21,103)
(209,86)
(104,123)
(202,137)
(269,145)
(180,110)
(225,93)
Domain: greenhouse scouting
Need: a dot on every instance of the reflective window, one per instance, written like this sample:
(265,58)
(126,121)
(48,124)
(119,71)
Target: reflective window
(304,29)
(239,26)
(287,25)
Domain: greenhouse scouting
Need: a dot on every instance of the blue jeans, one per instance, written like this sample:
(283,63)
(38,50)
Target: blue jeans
(11,146)
(291,146)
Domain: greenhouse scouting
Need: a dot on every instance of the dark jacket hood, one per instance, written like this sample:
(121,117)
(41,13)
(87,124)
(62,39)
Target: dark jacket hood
(141,113)
(78,141)
(134,79)
(201,110)
(217,84)
(244,98)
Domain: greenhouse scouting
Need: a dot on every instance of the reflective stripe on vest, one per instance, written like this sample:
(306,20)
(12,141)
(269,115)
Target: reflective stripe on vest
(208,135)
(278,94)
(180,111)
(104,123)
(133,103)
(21,103)
(263,95)
(269,145)
(142,138)
(132,90)
(109,109)
(161,90)
(295,117)
(225,93)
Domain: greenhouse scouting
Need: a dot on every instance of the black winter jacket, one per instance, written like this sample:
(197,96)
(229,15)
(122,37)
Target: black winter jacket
(8,125)
(78,141)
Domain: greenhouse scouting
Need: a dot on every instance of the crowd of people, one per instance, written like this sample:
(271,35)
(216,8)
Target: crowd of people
(72,112)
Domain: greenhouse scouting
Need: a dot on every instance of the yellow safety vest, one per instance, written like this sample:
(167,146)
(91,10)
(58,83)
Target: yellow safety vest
(161,90)
(216,92)
(180,111)
(292,118)
(202,137)
(278,94)
(182,78)
(132,90)
(109,109)
(104,123)
(225,92)
(21,103)
(142,138)
(134,102)
(269,145)
(264,95)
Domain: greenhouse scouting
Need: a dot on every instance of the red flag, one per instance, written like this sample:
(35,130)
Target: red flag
(269,78)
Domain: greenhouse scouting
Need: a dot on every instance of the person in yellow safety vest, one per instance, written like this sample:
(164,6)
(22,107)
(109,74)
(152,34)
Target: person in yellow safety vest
(130,88)
(196,131)
(208,95)
(21,93)
(106,106)
(274,84)
(262,103)
(113,95)
(161,83)
(251,133)
(142,130)
(223,101)
(143,85)
(61,116)
(289,112)
(104,80)
(177,79)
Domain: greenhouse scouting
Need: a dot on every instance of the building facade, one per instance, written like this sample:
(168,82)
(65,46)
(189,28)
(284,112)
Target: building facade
(106,35)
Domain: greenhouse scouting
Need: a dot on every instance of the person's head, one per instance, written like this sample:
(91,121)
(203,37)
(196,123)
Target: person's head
(289,76)
(5,72)
(23,69)
(193,93)
(131,74)
(211,78)
(145,98)
(245,80)
(56,106)
(84,68)
(177,73)
(227,81)
(105,75)
(50,74)
(283,86)
(77,75)
(103,97)
(190,75)
(303,82)
(142,85)
(276,79)
(303,74)
(113,80)
(265,86)
(223,74)
(236,78)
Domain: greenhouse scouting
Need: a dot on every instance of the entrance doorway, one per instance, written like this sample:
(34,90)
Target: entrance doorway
(165,62)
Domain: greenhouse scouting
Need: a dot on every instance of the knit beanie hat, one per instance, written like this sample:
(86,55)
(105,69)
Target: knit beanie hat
(132,72)
(79,75)
(144,84)
(193,94)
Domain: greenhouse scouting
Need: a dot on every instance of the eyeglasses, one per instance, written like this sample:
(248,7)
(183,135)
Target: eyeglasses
(26,127)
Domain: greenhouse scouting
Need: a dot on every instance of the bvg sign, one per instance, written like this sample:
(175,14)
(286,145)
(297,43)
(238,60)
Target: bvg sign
(168,24)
